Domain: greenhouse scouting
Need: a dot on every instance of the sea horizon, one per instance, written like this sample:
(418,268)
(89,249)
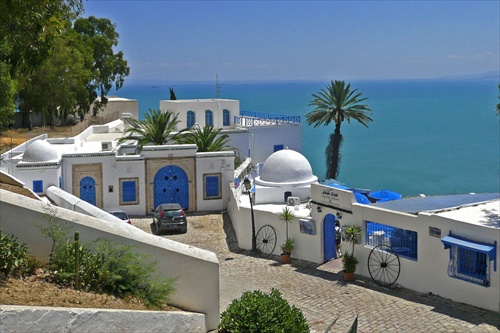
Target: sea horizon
(429,136)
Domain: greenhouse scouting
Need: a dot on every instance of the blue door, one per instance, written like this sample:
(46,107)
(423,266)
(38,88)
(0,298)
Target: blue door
(87,190)
(329,237)
(171,186)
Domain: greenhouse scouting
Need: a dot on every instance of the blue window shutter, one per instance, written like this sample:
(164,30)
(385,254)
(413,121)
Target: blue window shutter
(38,186)
(226,118)
(212,186)
(190,119)
(278,147)
(129,191)
(209,121)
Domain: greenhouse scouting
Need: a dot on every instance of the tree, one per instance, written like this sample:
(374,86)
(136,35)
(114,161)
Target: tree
(28,29)
(206,139)
(108,68)
(155,129)
(336,103)
(57,87)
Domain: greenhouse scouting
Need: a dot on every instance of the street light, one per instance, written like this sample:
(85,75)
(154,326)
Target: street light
(248,186)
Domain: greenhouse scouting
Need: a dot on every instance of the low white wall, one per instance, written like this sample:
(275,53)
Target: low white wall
(55,320)
(19,214)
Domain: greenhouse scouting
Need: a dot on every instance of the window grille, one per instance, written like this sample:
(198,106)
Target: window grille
(469,265)
(404,242)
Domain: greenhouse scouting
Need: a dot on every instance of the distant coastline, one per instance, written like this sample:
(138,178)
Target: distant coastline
(162,82)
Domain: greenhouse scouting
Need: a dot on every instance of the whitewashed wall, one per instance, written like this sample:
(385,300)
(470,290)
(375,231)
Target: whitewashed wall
(48,175)
(198,106)
(429,273)
(214,163)
(307,247)
(189,264)
(264,138)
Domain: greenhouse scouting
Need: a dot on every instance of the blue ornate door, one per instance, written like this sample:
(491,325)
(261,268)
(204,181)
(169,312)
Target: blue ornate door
(171,186)
(329,237)
(87,190)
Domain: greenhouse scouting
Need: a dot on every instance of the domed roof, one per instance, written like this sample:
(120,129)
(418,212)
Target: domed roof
(287,166)
(40,151)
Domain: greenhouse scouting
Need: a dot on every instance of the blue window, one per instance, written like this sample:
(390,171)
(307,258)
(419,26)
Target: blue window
(128,191)
(38,186)
(278,147)
(226,118)
(470,261)
(191,119)
(212,187)
(209,118)
(404,242)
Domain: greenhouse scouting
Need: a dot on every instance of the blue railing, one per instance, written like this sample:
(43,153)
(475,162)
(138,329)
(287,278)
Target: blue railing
(270,116)
(253,118)
(404,242)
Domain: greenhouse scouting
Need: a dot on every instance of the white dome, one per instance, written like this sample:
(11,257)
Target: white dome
(287,166)
(40,151)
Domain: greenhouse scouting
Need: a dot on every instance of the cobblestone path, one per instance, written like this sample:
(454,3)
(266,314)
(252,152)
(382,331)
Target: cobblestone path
(320,292)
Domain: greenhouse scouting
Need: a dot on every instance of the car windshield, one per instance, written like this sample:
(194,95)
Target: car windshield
(120,215)
(171,213)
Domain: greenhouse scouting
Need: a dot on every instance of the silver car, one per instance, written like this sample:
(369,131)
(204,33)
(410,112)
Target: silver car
(169,217)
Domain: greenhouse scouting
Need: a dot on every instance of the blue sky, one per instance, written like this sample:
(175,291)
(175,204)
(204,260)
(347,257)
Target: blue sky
(304,40)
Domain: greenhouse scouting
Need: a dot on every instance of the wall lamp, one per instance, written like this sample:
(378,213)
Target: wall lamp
(319,209)
(339,216)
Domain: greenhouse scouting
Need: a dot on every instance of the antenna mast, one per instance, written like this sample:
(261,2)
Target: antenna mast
(217,87)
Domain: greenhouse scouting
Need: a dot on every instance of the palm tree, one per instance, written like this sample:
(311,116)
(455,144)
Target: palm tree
(206,139)
(336,103)
(498,105)
(287,216)
(155,129)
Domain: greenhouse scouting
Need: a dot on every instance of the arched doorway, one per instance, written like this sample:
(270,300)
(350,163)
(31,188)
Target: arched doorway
(87,190)
(171,186)
(329,237)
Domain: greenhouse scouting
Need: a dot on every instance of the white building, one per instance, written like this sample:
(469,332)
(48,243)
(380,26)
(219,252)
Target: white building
(446,245)
(94,168)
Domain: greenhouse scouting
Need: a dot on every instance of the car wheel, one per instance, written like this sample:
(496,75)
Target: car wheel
(155,228)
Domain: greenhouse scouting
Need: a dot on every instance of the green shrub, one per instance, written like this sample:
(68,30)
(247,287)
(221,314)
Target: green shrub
(14,257)
(113,269)
(260,313)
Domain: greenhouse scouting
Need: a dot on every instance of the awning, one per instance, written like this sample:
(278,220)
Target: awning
(490,250)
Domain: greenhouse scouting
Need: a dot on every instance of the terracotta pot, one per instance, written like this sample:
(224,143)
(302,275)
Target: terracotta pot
(285,258)
(349,276)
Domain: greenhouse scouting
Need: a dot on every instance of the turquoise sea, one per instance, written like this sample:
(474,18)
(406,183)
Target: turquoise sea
(427,136)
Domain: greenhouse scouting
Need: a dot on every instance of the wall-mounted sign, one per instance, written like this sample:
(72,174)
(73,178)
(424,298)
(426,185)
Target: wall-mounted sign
(434,232)
(307,227)
(329,194)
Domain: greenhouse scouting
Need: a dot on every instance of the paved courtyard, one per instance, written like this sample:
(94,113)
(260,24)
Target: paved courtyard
(320,292)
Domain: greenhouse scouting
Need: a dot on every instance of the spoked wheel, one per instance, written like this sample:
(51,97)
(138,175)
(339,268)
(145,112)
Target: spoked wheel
(266,240)
(384,265)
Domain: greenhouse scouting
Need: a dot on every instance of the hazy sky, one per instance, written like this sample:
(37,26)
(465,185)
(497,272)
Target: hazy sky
(304,40)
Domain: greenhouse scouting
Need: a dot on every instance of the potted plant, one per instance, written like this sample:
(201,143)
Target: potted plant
(349,261)
(286,250)
(287,216)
